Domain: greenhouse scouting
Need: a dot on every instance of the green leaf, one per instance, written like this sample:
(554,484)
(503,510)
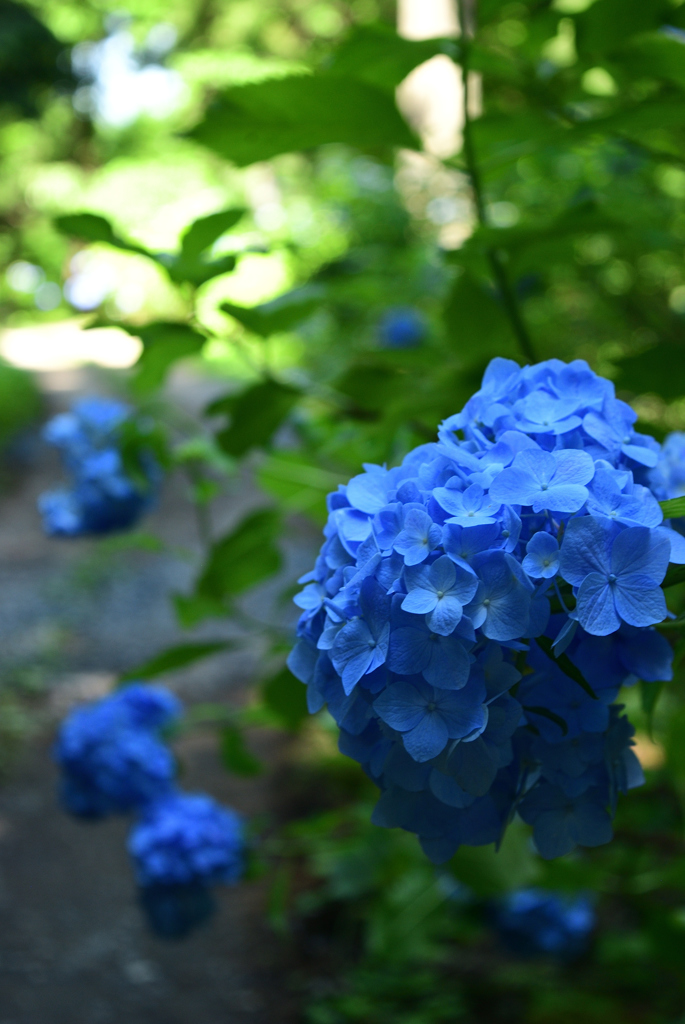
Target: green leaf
(649,697)
(193,608)
(255,415)
(546,713)
(298,485)
(675,574)
(255,122)
(565,664)
(163,344)
(235,755)
(608,23)
(286,696)
(674,508)
(204,232)
(475,321)
(91,227)
(371,385)
(376,54)
(175,658)
(658,370)
(281,314)
(198,271)
(243,558)
(655,55)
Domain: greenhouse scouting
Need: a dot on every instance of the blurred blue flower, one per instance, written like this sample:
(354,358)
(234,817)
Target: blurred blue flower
(402,327)
(537,921)
(102,497)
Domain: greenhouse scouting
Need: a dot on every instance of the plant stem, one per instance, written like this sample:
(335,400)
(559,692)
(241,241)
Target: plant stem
(495,256)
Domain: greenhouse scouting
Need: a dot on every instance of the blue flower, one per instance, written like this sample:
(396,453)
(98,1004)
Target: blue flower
(111,759)
(402,327)
(534,921)
(426,620)
(546,480)
(440,592)
(617,571)
(187,838)
(561,822)
(427,717)
(542,556)
(101,498)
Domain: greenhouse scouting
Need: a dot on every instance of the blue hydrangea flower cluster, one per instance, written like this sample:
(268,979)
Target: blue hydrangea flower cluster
(101,497)
(537,921)
(474,612)
(113,760)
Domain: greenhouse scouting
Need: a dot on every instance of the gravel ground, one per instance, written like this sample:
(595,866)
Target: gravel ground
(73,946)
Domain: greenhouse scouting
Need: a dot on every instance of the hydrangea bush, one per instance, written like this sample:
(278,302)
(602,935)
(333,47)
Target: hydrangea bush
(101,497)
(113,760)
(474,612)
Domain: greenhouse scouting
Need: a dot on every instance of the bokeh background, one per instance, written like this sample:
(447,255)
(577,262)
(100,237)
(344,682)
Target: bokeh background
(412,189)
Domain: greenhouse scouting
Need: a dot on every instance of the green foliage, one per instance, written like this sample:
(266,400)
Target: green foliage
(673,509)
(29,55)
(281,314)
(255,415)
(176,657)
(20,401)
(286,697)
(235,754)
(256,122)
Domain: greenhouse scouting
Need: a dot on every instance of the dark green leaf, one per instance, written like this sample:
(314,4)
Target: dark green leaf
(376,54)
(163,344)
(674,508)
(608,23)
(297,484)
(370,385)
(475,320)
(546,713)
(242,558)
(194,608)
(256,122)
(176,657)
(235,755)
(659,370)
(649,697)
(281,314)
(655,55)
(255,415)
(675,574)
(286,696)
(91,227)
(198,271)
(565,664)
(204,232)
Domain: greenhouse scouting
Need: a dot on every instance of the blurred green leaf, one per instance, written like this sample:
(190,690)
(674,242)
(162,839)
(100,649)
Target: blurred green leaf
(255,122)
(376,54)
(29,55)
(607,23)
(674,508)
(649,698)
(286,696)
(255,415)
(659,370)
(281,314)
(475,320)
(235,754)
(91,227)
(298,485)
(204,232)
(164,343)
(489,872)
(243,558)
(175,658)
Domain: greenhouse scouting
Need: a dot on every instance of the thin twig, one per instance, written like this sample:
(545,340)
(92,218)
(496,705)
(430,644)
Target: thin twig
(495,258)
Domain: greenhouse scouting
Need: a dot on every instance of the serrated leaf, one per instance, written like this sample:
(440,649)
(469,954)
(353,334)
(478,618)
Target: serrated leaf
(204,232)
(241,559)
(565,664)
(674,508)
(376,54)
(281,314)
(91,227)
(235,754)
(256,414)
(256,122)
(286,696)
(177,657)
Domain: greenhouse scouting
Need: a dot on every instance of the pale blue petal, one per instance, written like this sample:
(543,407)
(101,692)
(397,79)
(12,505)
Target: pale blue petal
(595,606)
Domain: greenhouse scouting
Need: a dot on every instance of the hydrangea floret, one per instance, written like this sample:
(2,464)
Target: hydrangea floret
(474,612)
(101,497)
